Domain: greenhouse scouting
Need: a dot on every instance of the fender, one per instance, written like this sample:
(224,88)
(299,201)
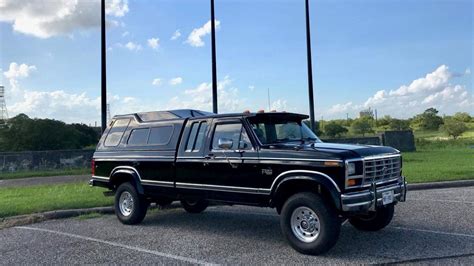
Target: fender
(129,171)
(314,176)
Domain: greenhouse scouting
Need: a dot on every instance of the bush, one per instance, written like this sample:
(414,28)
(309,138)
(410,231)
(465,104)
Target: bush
(454,127)
(362,126)
(333,130)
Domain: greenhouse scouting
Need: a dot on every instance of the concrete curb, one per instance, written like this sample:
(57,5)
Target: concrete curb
(438,185)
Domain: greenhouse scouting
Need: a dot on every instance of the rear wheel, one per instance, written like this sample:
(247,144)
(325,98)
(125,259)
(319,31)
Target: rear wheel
(130,207)
(374,221)
(310,225)
(195,206)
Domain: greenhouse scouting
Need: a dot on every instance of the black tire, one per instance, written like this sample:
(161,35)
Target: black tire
(137,207)
(374,221)
(329,223)
(195,206)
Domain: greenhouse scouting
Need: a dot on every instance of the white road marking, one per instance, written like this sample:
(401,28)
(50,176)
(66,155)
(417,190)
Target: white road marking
(430,231)
(153,252)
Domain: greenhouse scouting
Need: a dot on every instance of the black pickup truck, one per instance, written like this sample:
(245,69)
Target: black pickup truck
(259,159)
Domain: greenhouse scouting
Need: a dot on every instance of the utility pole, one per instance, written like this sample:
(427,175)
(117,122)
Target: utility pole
(310,68)
(214,66)
(268,97)
(3,107)
(103,94)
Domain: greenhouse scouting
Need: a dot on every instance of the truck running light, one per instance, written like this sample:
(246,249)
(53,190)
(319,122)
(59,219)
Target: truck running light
(93,167)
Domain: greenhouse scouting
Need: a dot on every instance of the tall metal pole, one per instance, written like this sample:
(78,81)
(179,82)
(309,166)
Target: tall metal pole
(103,95)
(214,67)
(310,68)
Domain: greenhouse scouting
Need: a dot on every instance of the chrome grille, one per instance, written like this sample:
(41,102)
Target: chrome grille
(381,169)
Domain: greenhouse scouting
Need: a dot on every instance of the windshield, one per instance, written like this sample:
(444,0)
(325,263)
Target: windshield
(281,131)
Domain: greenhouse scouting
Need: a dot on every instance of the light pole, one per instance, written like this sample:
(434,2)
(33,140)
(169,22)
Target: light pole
(214,64)
(310,68)
(103,95)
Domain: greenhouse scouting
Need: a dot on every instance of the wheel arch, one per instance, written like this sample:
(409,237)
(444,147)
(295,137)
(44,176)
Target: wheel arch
(121,174)
(291,182)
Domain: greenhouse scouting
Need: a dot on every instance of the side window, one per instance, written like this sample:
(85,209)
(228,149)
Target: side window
(196,136)
(116,132)
(138,136)
(160,135)
(235,132)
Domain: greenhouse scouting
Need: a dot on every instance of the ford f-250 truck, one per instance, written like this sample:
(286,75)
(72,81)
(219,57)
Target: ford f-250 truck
(259,159)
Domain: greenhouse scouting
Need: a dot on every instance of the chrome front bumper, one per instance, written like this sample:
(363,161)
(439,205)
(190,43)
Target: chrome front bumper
(370,199)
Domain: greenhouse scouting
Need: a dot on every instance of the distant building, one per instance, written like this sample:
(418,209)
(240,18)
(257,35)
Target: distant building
(366,113)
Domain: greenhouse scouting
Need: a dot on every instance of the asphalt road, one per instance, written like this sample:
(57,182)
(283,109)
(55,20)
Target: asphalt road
(433,226)
(44,180)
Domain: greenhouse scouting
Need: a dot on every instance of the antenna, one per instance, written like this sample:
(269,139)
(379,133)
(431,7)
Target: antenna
(3,107)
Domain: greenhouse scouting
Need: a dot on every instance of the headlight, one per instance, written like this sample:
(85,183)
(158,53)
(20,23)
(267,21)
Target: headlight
(351,169)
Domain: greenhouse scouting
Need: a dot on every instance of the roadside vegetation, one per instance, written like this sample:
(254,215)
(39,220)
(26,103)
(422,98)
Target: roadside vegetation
(33,199)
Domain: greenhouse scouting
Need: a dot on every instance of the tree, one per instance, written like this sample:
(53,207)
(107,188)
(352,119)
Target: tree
(428,120)
(399,124)
(333,130)
(463,117)
(454,127)
(362,126)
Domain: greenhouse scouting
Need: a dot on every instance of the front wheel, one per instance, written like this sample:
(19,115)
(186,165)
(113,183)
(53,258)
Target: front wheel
(310,224)
(374,221)
(195,206)
(130,207)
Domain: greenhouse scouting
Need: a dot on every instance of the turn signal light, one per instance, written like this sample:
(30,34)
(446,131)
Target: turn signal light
(351,182)
(329,163)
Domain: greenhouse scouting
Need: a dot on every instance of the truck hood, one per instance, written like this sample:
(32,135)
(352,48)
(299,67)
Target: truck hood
(334,150)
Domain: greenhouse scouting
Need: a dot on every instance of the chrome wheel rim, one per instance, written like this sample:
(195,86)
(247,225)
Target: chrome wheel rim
(126,203)
(305,224)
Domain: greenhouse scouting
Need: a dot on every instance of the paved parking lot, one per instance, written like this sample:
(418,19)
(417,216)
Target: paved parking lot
(433,225)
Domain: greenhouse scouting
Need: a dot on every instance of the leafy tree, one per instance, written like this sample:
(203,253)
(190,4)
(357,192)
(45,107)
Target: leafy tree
(333,129)
(463,117)
(399,124)
(362,126)
(454,127)
(384,121)
(428,120)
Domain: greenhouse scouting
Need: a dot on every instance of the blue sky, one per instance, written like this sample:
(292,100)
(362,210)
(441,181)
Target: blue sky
(399,57)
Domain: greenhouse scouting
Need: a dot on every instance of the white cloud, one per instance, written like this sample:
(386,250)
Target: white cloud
(201,98)
(17,71)
(176,81)
(154,43)
(433,90)
(279,105)
(176,35)
(133,46)
(57,17)
(125,34)
(251,87)
(156,82)
(195,37)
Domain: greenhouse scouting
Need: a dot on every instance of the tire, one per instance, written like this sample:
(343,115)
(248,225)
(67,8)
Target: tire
(375,220)
(195,206)
(313,232)
(130,207)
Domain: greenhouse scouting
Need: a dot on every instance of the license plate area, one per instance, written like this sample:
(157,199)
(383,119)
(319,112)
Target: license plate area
(387,197)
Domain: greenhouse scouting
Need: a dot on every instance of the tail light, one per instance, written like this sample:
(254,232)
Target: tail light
(93,167)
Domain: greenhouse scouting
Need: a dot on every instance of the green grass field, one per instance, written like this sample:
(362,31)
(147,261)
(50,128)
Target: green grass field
(25,200)
(55,172)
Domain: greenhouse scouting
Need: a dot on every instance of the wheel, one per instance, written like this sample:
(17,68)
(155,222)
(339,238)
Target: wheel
(130,207)
(310,225)
(195,206)
(374,221)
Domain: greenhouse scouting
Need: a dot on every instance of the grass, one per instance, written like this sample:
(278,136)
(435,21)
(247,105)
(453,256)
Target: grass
(54,172)
(25,200)
(439,164)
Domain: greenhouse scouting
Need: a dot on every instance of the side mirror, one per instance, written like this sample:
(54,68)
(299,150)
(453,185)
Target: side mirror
(225,144)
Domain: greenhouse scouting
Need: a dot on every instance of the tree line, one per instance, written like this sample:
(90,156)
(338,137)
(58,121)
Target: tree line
(429,120)
(22,133)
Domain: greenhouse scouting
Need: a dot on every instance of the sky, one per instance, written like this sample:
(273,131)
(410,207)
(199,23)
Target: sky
(399,57)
